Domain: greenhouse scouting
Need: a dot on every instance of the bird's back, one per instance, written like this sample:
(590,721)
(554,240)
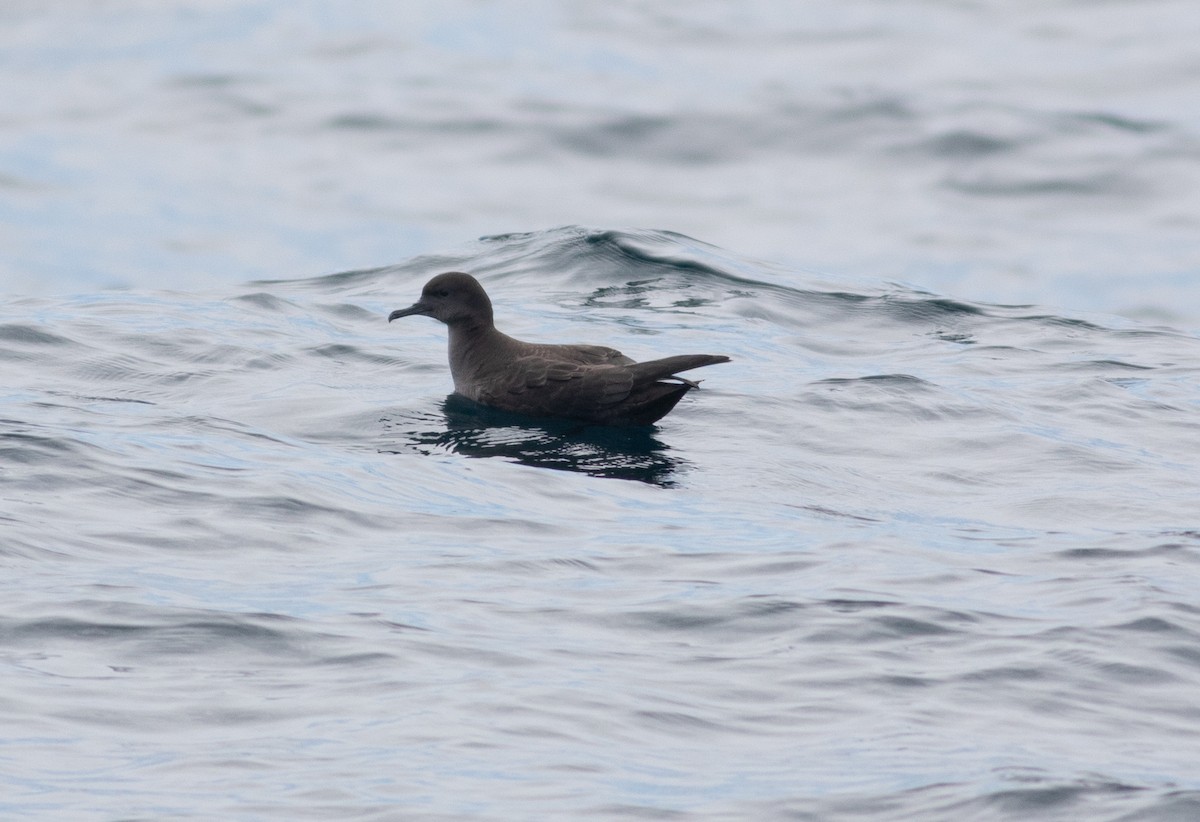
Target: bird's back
(589,383)
(576,354)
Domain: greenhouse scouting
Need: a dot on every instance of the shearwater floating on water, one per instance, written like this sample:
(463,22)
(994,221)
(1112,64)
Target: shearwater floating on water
(590,383)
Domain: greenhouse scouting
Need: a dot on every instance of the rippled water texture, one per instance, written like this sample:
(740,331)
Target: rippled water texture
(927,549)
(1013,151)
(907,557)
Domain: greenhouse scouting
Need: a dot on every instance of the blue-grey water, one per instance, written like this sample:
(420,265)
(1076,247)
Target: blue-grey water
(927,549)
(905,557)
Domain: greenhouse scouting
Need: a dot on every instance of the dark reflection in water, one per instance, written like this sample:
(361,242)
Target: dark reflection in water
(473,430)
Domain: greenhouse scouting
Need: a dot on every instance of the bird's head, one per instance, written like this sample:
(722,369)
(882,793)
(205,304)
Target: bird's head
(453,298)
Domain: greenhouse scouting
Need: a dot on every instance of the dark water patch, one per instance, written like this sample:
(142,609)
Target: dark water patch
(1120,673)
(1035,801)
(471,430)
(365,121)
(898,627)
(847,516)
(680,722)
(902,382)
(266,301)
(29,335)
(644,137)
(16,183)
(769,606)
(649,251)
(708,138)
(393,626)
(1014,675)
(40,630)
(349,312)
(293,509)
(34,449)
(554,566)
(959,337)
(98,398)
(891,108)
(629,810)
(1154,625)
(1105,184)
(1119,122)
(737,620)
(413,129)
(344,353)
(252,633)
(1188,654)
(360,661)
(1173,806)
(924,309)
(629,295)
(1103,365)
(1174,551)
(986,132)
(885,629)
(138,371)
(965,143)
(209,80)
(224,98)
(855,605)
(200,351)
(1029,796)
(274,362)
(153,635)
(650,294)
(890,681)
(902,397)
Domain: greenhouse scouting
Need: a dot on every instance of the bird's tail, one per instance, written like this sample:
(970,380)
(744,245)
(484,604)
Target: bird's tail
(669,366)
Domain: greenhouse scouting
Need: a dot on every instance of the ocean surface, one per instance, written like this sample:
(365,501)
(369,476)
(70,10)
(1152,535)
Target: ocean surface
(928,548)
(906,557)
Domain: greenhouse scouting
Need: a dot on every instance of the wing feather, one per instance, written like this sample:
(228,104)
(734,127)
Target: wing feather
(535,385)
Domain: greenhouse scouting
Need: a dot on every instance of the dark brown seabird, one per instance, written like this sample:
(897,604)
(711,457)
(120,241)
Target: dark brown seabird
(590,383)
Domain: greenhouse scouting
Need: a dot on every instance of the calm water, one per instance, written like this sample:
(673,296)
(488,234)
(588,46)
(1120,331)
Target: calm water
(928,549)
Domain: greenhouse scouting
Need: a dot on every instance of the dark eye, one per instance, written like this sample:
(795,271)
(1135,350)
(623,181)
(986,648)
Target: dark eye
(441,292)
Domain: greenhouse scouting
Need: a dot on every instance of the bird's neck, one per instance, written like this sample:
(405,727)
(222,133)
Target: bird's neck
(474,349)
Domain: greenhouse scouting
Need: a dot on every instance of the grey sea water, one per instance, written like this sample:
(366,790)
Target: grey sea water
(1013,151)
(906,557)
(928,548)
